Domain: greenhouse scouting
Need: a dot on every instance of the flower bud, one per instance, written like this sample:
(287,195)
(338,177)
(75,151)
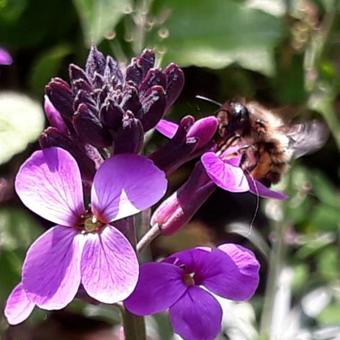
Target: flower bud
(53,116)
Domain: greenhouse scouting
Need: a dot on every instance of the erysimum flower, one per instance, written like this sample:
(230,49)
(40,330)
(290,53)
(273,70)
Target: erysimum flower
(5,57)
(84,247)
(224,169)
(183,283)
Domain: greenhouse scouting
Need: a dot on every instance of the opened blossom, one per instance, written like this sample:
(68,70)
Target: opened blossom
(84,248)
(5,57)
(185,282)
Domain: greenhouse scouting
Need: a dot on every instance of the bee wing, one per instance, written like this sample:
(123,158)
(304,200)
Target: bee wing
(307,137)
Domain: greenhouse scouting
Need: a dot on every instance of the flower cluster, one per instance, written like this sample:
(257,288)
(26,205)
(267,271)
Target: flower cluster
(89,180)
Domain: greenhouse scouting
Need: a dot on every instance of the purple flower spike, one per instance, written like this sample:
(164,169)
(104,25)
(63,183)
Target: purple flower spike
(84,247)
(177,282)
(95,104)
(5,57)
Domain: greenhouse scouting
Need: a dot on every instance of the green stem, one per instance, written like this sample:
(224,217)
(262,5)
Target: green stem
(134,326)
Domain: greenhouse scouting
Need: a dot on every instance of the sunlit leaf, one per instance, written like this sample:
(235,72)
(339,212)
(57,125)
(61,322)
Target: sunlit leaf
(21,122)
(217,33)
(99,17)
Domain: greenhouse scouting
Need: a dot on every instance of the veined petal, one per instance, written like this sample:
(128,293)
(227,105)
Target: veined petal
(109,266)
(223,174)
(233,273)
(49,184)
(51,271)
(159,286)
(167,128)
(257,188)
(124,185)
(18,307)
(196,315)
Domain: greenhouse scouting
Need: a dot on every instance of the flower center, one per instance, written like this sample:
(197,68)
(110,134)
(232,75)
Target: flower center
(189,279)
(90,223)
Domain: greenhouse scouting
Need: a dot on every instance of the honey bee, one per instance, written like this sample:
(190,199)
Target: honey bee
(265,142)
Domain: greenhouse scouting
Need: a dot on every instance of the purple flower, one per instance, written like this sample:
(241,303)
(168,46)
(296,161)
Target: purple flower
(183,283)
(5,57)
(224,169)
(188,140)
(105,105)
(84,247)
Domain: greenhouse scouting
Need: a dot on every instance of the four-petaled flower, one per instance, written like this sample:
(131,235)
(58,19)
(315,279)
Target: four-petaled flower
(184,282)
(84,248)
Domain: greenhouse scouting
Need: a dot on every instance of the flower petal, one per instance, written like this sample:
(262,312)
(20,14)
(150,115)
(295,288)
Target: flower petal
(124,185)
(5,57)
(235,276)
(223,174)
(257,188)
(159,286)
(51,271)
(18,307)
(109,266)
(49,184)
(167,128)
(197,315)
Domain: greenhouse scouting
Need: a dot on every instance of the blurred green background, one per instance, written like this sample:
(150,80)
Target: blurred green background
(284,54)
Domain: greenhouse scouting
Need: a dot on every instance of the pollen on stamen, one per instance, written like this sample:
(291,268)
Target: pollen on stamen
(188,279)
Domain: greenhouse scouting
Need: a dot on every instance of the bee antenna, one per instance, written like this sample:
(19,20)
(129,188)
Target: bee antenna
(208,100)
(257,203)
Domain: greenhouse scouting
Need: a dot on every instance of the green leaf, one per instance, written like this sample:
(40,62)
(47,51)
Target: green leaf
(99,17)
(217,33)
(47,66)
(21,122)
(330,315)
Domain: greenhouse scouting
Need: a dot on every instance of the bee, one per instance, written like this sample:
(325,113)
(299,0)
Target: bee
(266,143)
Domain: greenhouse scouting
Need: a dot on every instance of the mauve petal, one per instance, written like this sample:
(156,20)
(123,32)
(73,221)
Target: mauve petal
(223,174)
(125,185)
(197,315)
(203,129)
(259,189)
(5,57)
(109,266)
(159,286)
(53,115)
(49,184)
(233,274)
(167,128)
(51,271)
(18,306)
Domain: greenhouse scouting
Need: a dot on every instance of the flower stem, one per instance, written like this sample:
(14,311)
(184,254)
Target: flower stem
(148,237)
(134,326)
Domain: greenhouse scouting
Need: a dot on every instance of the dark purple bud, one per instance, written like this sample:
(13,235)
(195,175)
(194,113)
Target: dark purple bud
(174,83)
(60,95)
(52,137)
(111,115)
(153,77)
(83,97)
(130,100)
(75,73)
(112,72)
(134,73)
(130,137)
(153,105)
(177,210)
(98,81)
(53,116)
(81,85)
(89,128)
(95,63)
(146,60)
